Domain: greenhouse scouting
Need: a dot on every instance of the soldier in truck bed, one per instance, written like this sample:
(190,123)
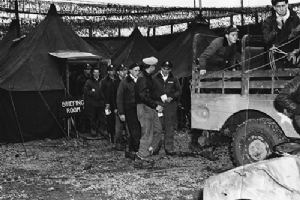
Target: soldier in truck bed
(281,30)
(221,53)
(281,26)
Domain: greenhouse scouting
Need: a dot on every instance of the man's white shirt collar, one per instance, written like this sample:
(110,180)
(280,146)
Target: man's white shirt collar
(285,17)
(164,77)
(133,78)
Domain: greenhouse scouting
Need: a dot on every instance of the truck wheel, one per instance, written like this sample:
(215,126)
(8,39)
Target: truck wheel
(254,140)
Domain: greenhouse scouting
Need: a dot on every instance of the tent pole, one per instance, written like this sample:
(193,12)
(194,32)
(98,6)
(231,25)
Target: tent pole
(68,79)
(18,122)
(68,94)
(242,15)
(17,18)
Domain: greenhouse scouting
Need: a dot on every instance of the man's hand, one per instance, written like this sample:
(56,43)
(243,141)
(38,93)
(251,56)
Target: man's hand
(116,111)
(279,22)
(288,114)
(295,32)
(169,99)
(294,56)
(159,108)
(122,118)
(202,71)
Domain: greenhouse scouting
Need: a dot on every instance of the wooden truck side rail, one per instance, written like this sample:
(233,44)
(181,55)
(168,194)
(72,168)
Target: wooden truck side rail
(263,80)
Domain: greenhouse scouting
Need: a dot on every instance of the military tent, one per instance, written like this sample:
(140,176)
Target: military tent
(133,50)
(186,48)
(31,83)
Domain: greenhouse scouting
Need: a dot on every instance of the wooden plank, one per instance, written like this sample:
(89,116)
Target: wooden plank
(267,84)
(257,73)
(221,74)
(269,73)
(237,84)
(220,84)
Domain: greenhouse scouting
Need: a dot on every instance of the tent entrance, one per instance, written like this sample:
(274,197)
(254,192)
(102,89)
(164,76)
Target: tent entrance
(74,59)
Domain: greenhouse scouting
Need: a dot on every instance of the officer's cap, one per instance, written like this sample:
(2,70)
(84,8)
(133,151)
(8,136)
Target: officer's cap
(88,66)
(121,67)
(167,64)
(150,61)
(111,67)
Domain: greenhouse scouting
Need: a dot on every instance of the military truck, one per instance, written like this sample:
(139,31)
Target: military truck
(239,103)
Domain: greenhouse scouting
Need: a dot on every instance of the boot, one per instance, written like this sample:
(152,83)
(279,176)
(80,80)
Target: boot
(142,162)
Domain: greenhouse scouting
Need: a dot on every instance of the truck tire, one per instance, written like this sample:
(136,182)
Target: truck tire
(254,140)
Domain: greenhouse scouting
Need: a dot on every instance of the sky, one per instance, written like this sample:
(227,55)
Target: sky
(188,3)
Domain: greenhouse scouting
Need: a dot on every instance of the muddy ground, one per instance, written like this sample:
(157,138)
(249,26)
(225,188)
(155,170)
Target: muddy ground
(75,169)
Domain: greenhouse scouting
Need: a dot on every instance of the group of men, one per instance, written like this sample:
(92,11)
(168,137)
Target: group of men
(134,99)
(139,100)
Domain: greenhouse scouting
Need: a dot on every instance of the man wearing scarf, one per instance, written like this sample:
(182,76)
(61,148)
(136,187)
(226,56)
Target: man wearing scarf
(281,26)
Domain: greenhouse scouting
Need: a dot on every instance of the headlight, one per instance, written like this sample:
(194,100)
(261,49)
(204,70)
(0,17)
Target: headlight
(203,111)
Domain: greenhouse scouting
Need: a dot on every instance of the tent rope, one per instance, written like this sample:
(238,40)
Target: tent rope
(18,122)
(52,114)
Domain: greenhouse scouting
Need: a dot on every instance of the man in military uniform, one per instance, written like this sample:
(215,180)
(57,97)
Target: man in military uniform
(94,103)
(221,53)
(127,109)
(109,85)
(282,25)
(147,111)
(120,127)
(81,79)
(166,91)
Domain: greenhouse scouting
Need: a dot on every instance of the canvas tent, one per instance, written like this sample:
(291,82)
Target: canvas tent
(103,50)
(31,83)
(186,48)
(134,50)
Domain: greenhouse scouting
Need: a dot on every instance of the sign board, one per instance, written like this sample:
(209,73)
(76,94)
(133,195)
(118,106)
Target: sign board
(71,107)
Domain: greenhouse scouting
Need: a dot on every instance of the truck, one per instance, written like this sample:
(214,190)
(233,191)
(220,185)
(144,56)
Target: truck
(240,104)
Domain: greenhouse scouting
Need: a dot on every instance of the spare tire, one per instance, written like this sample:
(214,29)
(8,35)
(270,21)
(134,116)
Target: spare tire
(254,140)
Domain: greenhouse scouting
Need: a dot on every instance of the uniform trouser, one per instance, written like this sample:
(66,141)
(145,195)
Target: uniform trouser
(151,130)
(83,122)
(96,117)
(134,129)
(120,127)
(169,122)
(110,119)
